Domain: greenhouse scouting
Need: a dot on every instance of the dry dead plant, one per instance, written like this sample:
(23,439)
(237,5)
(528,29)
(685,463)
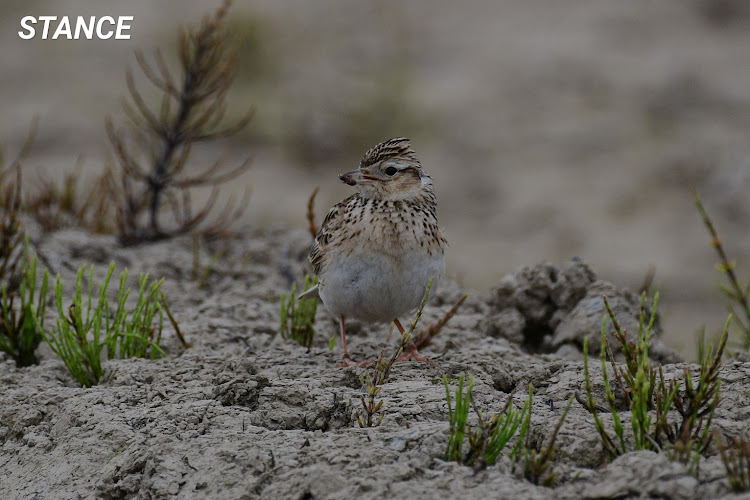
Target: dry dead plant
(736,458)
(154,149)
(12,235)
(56,205)
(424,337)
(312,226)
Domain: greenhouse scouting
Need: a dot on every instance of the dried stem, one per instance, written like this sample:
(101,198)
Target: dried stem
(312,226)
(736,458)
(165,305)
(12,234)
(736,293)
(648,280)
(424,337)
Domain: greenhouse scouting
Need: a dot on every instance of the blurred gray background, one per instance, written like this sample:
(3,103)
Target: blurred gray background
(552,129)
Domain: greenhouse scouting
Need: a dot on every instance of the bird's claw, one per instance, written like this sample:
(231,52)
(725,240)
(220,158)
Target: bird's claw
(346,361)
(413,353)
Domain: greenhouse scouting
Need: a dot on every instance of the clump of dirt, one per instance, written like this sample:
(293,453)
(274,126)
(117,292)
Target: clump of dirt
(549,308)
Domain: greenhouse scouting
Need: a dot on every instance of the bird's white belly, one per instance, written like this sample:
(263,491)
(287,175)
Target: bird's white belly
(377,287)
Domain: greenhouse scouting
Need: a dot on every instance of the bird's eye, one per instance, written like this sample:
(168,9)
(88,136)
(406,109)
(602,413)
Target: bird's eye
(391,171)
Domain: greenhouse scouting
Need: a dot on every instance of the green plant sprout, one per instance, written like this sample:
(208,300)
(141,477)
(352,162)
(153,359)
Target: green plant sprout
(298,317)
(537,462)
(136,336)
(738,295)
(490,436)
(201,277)
(87,331)
(650,398)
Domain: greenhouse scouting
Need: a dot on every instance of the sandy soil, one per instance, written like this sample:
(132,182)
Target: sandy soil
(245,414)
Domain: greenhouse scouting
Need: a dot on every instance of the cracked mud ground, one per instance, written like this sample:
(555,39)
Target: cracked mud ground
(245,414)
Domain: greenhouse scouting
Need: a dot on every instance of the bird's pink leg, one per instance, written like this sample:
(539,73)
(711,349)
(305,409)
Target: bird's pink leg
(346,360)
(411,348)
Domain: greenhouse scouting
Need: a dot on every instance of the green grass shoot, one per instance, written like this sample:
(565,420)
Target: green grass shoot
(90,329)
(298,316)
(490,435)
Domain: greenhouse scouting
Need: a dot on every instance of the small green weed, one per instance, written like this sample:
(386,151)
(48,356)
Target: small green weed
(537,462)
(490,436)
(739,296)
(298,317)
(373,414)
(86,331)
(134,334)
(650,397)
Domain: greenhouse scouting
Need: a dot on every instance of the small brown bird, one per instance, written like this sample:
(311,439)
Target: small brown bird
(377,250)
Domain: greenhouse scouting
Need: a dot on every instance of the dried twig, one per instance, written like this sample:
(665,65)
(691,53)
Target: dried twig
(55,205)
(165,305)
(648,280)
(424,337)
(312,226)
(537,463)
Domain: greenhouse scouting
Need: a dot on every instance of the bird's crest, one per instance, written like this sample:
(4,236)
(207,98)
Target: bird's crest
(392,148)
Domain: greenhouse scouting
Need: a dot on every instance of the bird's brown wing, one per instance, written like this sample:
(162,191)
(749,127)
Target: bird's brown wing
(331,225)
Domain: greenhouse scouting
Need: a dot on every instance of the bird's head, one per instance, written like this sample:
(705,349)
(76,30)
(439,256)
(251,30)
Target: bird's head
(389,171)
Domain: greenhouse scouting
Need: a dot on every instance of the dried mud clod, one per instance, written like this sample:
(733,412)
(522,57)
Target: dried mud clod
(237,383)
(549,308)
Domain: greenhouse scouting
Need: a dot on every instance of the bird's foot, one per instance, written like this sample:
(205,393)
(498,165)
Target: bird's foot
(347,361)
(411,352)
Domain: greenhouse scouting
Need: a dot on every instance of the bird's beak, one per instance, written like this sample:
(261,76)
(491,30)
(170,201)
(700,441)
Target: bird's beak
(355,177)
